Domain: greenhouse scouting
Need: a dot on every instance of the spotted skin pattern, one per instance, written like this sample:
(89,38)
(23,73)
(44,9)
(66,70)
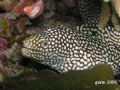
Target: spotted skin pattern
(81,47)
(63,48)
(89,10)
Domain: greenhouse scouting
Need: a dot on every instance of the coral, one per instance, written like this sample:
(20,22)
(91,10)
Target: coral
(21,24)
(35,9)
(18,9)
(4,25)
(12,23)
(12,67)
(3,43)
(3,46)
(9,4)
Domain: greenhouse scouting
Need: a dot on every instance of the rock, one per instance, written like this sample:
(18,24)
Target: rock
(97,78)
(70,3)
(116,4)
(49,9)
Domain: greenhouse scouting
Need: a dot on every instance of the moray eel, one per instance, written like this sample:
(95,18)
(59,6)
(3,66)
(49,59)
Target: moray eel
(82,47)
(63,48)
(89,10)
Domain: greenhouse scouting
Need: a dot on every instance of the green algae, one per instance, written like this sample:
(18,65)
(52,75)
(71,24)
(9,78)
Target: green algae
(4,25)
(72,80)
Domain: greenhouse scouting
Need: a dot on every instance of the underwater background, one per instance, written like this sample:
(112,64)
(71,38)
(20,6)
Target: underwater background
(20,19)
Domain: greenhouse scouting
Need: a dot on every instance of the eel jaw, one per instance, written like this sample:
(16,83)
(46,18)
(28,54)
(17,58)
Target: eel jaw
(25,52)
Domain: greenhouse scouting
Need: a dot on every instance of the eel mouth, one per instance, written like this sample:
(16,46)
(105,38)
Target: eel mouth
(28,46)
(32,53)
(25,52)
(35,50)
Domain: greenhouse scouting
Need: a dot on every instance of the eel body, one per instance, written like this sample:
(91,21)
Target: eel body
(63,48)
(89,10)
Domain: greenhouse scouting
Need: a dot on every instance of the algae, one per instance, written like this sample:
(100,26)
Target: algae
(97,78)
(4,25)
